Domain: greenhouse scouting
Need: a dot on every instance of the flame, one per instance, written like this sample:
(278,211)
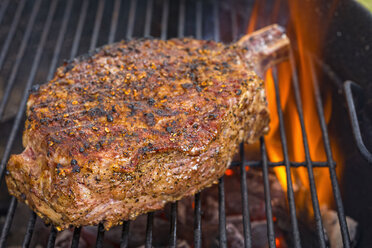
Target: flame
(229,172)
(305,41)
(277,242)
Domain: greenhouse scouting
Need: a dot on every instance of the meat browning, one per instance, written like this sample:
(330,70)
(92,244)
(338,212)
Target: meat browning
(137,124)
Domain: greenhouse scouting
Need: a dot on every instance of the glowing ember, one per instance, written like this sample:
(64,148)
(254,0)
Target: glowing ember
(229,172)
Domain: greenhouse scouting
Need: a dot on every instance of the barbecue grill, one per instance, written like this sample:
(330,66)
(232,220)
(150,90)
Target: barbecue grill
(36,36)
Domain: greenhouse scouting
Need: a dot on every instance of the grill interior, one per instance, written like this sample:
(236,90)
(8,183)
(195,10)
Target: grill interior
(36,36)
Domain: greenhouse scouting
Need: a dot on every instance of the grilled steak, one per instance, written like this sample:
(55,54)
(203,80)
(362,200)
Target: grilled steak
(137,124)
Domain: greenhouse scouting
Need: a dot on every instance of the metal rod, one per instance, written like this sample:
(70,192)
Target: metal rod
(290,194)
(4,6)
(268,207)
(279,164)
(76,237)
(79,29)
(29,82)
(181,19)
(313,191)
(97,25)
(222,213)
(332,164)
(173,225)
(60,38)
(52,237)
(216,21)
(11,32)
(197,222)
(100,235)
(148,18)
(245,211)
(354,121)
(164,20)
(234,22)
(125,235)
(132,15)
(8,221)
(29,230)
(150,221)
(19,56)
(114,21)
(199,20)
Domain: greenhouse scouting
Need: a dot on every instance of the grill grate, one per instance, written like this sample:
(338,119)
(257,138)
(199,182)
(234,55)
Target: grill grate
(194,16)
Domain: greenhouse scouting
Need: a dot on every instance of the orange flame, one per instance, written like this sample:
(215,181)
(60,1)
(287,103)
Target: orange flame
(300,179)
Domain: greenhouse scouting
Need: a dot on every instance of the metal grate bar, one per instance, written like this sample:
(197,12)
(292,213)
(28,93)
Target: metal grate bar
(114,21)
(173,225)
(29,230)
(100,235)
(246,221)
(97,25)
(164,20)
(268,207)
(354,120)
(290,194)
(8,221)
(11,32)
(19,57)
(199,12)
(4,6)
(74,49)
(21,109)
(313,191)
(280,163)
(52,237)
(60,38)
(148,18)
(125,235)
(76,237)
(221,184)
(221,213)
(197,222)
(216,21)
(23,104)
(331,162)
(150,222)
(79,29)
(234,22)
(181,19)
(132,14)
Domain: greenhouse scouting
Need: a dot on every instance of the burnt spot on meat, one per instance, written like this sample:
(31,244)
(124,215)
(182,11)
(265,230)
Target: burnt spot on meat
(212,116)
(151,101)
(96,112)
(76,169)
(133,108)
(109,118)
(169,129)
(187,86)
(73,162)
(81,149)
(150,119)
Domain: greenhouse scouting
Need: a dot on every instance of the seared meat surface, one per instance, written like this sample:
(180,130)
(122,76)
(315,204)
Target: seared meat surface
(138,124)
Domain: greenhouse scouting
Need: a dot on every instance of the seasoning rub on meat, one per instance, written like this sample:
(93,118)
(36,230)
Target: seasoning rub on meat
(134,125)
